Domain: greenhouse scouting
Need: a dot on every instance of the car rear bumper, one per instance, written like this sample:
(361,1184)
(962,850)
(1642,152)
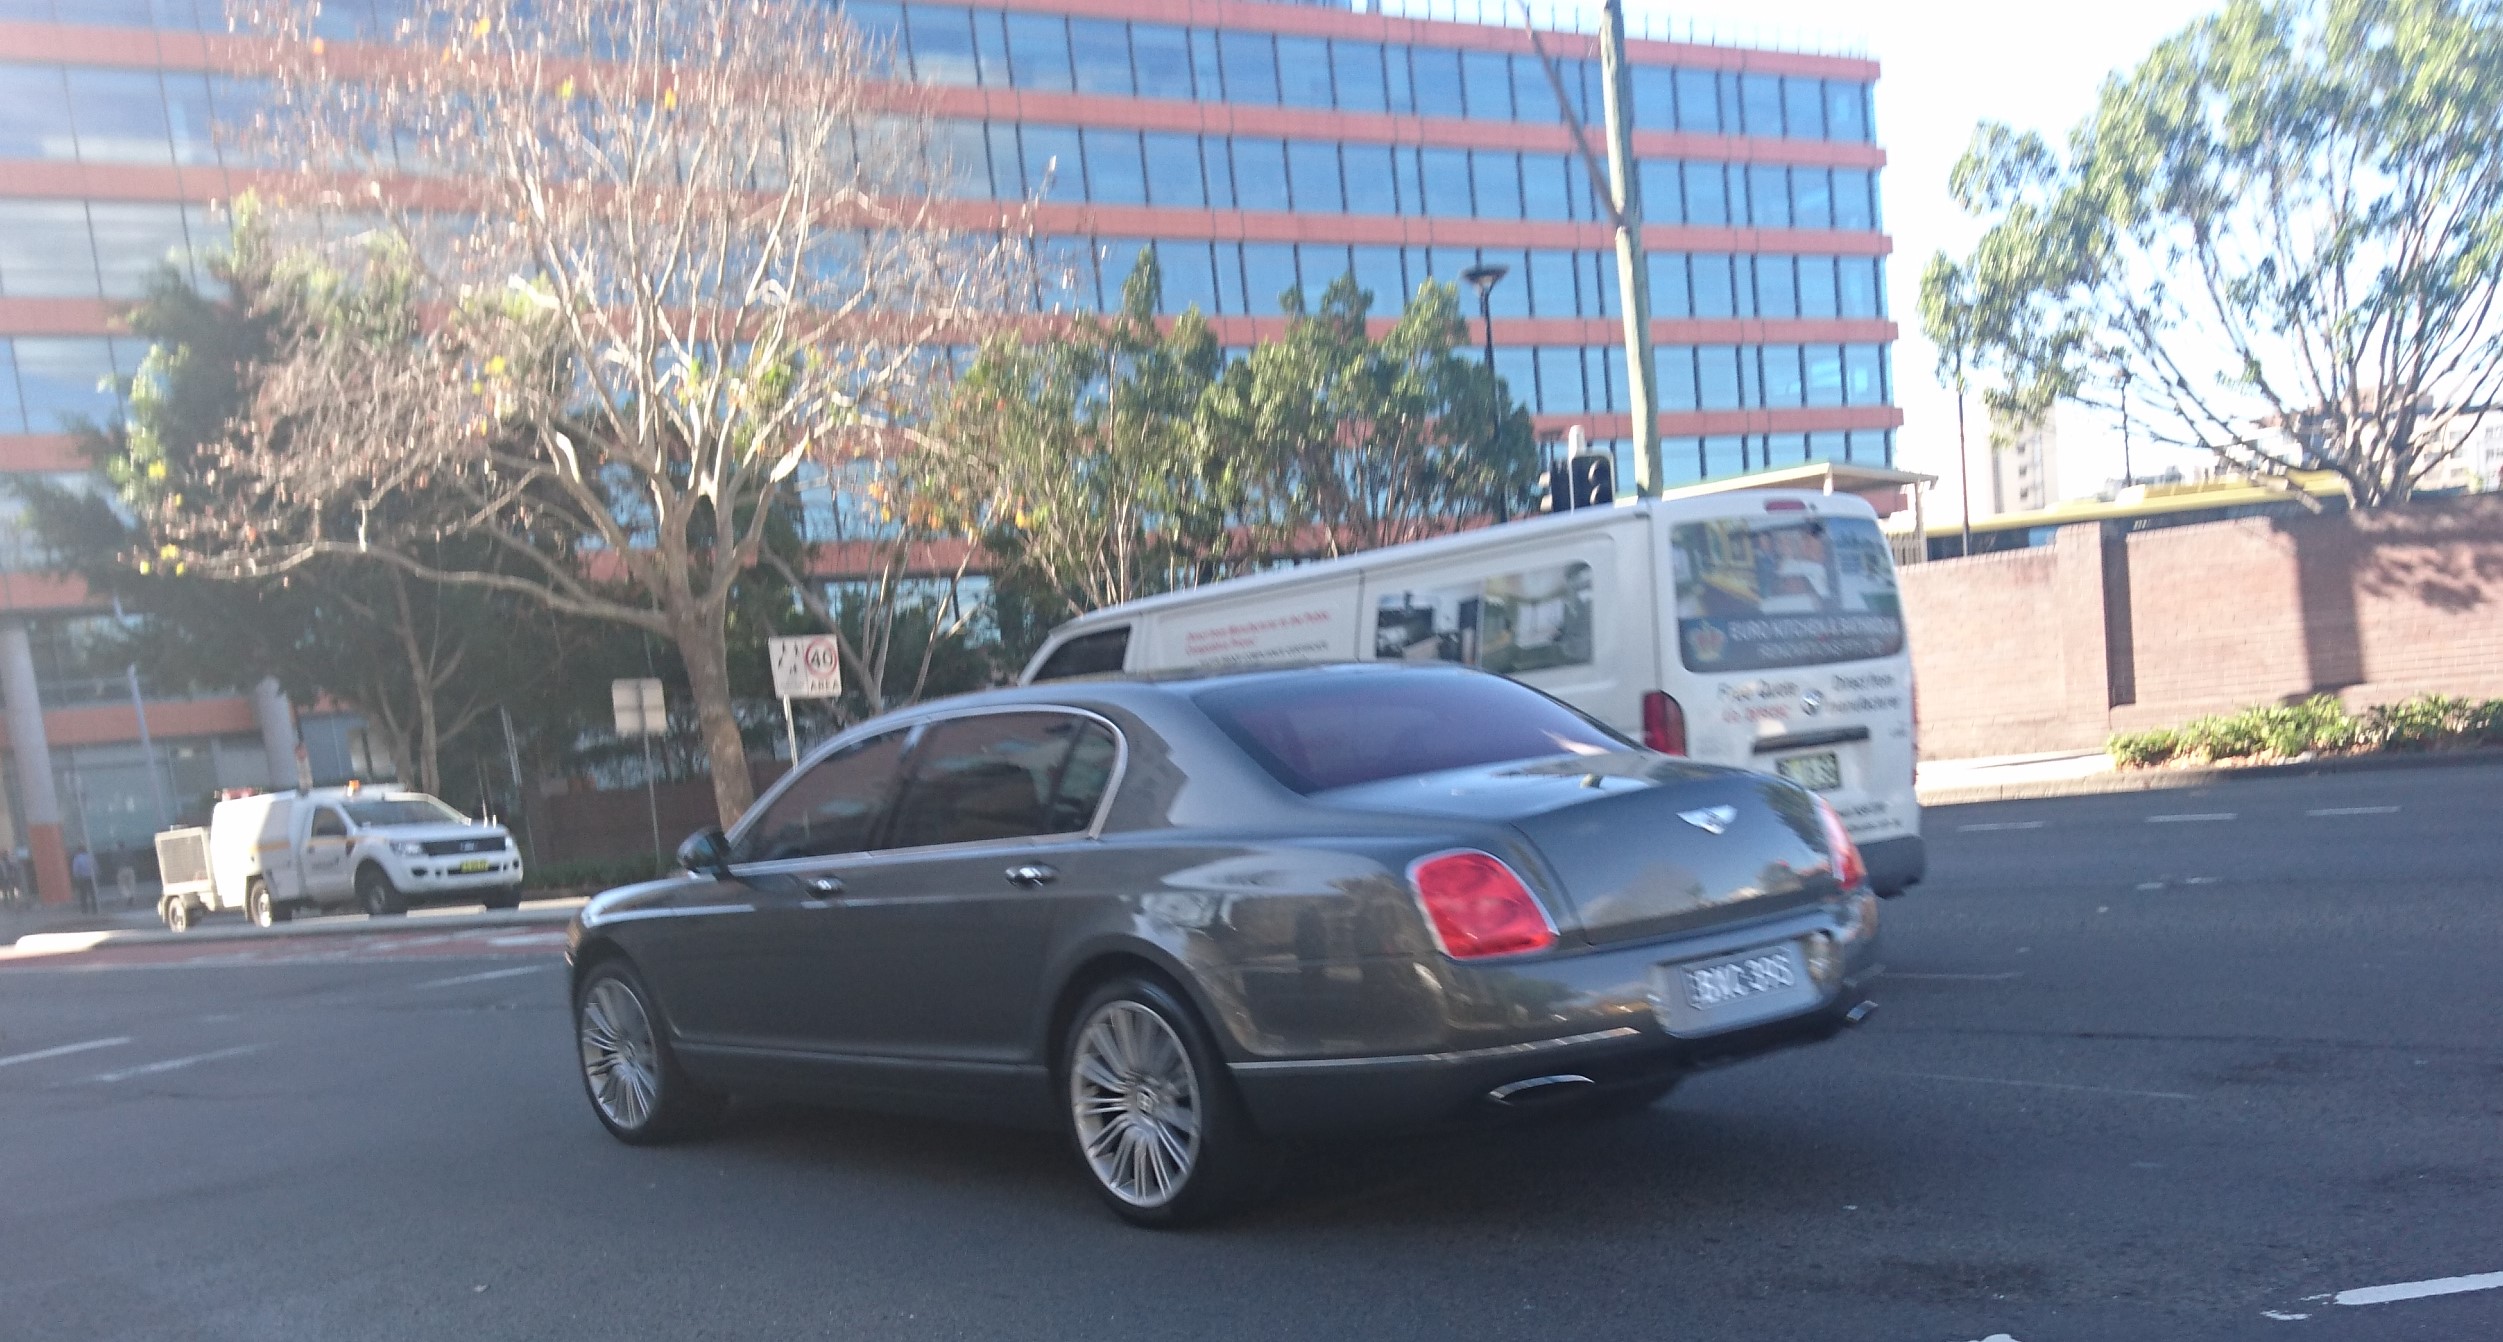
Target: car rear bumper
(1895,864)
(1620,1043)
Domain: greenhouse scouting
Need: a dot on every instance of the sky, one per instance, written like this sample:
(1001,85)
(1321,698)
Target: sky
(1943,66)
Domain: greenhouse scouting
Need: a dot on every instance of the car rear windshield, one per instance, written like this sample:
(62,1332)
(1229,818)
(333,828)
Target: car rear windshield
(1760,593)
(1317,732)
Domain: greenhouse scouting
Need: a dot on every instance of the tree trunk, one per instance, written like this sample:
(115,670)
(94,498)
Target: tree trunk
(703,644)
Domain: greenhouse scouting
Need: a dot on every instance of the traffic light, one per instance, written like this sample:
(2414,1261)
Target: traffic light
(1583,480)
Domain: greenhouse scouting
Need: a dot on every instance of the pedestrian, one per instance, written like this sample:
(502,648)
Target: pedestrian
(83,878)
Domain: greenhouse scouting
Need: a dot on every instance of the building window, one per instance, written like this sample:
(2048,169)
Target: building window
(1497,176)
(942,45)
(1378,271)
(1847,111)
(1486,82)
(1803,108)
(1162,57)
(1768,195)
(1554,290)
(1100,48)
(1312,171)
(38,123)
(1054,169)
(1446,174)
(1260,174)
(46,250)
(1038,52)
(1760,106)
(1113,170)
(1251,68)
(1816,285)
(1777,286)
(1437,82)
(1304,71)
(1560,390)
(1717,384)
(1357,68)
(1707,194)
(135,243)
(1268,275)
(1173,170)
(1822,379)
(1372,178)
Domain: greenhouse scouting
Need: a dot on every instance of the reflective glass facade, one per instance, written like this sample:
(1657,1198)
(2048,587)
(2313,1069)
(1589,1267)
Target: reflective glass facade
(1297,144)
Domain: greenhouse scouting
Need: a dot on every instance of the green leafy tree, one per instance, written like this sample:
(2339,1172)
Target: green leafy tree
(1347,442)
(2282,234)
(1080,460)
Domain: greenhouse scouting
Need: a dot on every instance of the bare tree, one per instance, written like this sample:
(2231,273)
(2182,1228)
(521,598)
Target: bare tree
(625,265)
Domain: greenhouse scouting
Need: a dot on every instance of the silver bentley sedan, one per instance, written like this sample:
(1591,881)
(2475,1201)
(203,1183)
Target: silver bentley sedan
(1179,918)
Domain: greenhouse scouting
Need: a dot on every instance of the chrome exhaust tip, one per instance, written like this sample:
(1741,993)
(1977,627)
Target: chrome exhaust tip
(1537,1088)
(1860,1014)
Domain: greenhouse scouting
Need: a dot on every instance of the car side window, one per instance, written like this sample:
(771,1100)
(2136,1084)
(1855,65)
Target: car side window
(1003,776)
(329,824)
(1095,654)
(834,808)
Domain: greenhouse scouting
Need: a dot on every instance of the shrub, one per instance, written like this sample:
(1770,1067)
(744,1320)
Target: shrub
(2138,750)
(2317,726)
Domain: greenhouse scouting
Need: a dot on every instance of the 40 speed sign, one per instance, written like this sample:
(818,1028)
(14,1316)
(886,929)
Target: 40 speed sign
(809,667)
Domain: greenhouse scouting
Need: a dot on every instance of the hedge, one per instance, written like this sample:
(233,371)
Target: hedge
(2317,726)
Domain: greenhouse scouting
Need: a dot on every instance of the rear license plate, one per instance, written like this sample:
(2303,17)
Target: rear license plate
(480,864)
(1723,993)
(1821,772)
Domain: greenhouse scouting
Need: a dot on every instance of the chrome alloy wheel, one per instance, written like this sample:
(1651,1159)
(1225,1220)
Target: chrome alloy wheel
(1136,1103)
(619,1057)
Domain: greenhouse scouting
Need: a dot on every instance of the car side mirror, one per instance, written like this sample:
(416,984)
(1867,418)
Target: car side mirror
(706,853)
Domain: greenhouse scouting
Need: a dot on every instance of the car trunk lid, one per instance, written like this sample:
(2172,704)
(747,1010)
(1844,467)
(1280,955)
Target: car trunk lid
(1638,845)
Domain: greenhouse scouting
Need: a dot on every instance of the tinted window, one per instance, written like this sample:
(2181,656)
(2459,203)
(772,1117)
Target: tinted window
(1698,101)
(1251,71)
(942,44)
(1173,169)
(1312,166)
(1102,49)
(1038,51)
(833,808)
(1113,174)
(1260,173)
(1487,77)
(992,776)
(403,811)
(1313,733)
(1372,179)
(1304,71)
(1358,67)
(328,825)
(1437,81)
(1095,654)
(1446,174)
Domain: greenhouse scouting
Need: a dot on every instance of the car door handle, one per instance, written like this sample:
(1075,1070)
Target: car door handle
(825,887)
(1033,874)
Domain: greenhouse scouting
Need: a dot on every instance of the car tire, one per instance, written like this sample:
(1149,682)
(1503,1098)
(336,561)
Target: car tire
(507,898)
(265,911)
(176,913)
(1150,1109)
(632,1077)
(377,895)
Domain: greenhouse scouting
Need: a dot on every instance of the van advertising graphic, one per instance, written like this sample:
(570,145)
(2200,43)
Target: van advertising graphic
(1759,593)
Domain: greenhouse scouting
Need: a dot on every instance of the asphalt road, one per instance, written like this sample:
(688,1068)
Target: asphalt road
(2152,1066)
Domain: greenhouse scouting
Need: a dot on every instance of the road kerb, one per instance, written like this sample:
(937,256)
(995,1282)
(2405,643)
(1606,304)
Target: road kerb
(61,943)
(2158,780)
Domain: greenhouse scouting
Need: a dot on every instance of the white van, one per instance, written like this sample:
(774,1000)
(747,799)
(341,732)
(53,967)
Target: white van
(379,849)
(1760,629)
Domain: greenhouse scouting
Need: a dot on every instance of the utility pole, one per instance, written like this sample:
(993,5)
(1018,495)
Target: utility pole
(1620,193)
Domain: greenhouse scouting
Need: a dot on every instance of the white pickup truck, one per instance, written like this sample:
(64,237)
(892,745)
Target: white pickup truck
(272,854)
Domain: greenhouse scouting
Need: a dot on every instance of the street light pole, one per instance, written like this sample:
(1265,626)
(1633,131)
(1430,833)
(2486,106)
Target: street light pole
(1484,276)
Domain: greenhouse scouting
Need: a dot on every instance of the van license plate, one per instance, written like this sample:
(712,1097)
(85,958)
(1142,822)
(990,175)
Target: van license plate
(1821,772)
(480,864)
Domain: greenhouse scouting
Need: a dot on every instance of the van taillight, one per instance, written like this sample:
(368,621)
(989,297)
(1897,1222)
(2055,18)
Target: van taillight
(1478,907)
(1664,724)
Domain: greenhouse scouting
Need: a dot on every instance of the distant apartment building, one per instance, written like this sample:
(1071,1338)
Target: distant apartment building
(1258,148)
(2024,463)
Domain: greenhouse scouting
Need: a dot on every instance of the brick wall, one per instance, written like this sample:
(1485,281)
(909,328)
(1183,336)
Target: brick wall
(2028,651)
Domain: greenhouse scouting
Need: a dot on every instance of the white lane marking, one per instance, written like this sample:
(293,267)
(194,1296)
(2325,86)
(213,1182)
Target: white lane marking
(2417,1290)
(1958,978)
(2151,885)
(2202,880)
(529,939)
(2187,818)
(64,1050)
(2282,1316)
(170,1064)
(2354,810)
(1999,825)
(2047,1085)
(481,978)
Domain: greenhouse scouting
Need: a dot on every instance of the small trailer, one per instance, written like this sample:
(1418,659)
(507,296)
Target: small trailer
(182,857)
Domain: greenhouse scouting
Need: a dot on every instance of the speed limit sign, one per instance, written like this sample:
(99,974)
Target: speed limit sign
(809,667)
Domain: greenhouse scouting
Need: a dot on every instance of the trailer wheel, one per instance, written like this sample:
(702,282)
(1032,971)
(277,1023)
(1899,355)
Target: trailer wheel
(176,911)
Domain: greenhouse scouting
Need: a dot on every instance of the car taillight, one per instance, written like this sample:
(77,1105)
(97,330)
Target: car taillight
(1850,872)
(1664,724)
(1478,907)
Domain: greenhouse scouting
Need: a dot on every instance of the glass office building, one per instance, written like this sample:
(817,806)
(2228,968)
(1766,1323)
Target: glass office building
(1258,148)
